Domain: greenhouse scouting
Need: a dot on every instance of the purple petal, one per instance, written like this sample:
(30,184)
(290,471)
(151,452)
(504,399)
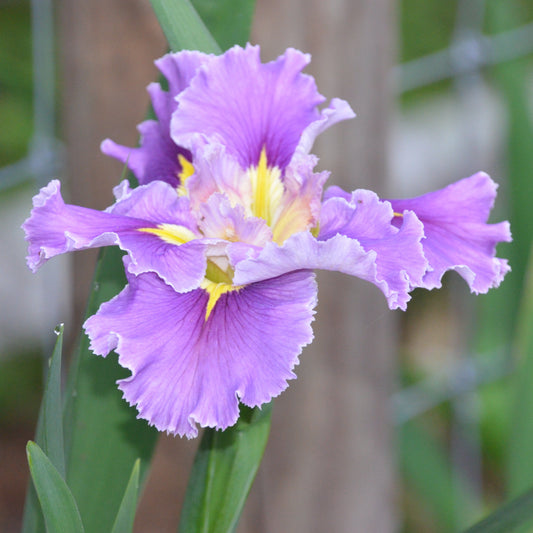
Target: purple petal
(55,228)
(179,69)
(247,106)
(186,370)
(400,260)
(355,238)
(216,171)
(457,235)
(157,157)
(337,111)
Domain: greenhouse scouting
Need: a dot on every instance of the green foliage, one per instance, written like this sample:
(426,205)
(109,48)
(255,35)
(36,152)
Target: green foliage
(59,507)
(49,434)
(427,469)
(183,27)
(15,81)
(520,465)
(229,21)
(126,513)
(223,472)
(50,426)
(508,517)
(425,27)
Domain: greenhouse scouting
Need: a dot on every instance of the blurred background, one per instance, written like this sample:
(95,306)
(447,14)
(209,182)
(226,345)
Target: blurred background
(442,397)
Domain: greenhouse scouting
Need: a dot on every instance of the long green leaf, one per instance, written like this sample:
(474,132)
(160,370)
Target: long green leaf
(126,513)
(229,21)
(49,434)
(520,467)
(507,517)
(183,27)
(59,507)
(50,426)
(223,472)
(102,433)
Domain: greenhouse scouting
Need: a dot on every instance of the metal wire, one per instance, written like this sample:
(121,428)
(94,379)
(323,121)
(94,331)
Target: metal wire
(463,56)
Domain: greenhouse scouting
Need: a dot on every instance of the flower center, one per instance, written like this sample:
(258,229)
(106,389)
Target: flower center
(284,211)
(267,189)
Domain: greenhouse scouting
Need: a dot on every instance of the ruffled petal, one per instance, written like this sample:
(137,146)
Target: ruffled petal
(222,220)
(337,111)
(186,370)
(355,238)
(300,204)
(55,228)
(179,69)
(457,235)
(217,171)
(158,156)
(400,258)
(247,106)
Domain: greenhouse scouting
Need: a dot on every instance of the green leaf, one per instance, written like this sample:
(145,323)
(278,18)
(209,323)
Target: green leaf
(126,513)
(183,27)
(428,472)
(49,435)
(511,79)
(223,472)
(507,517)
(230,21)
(103,436)
(50,424)
(520,467)
(58,504)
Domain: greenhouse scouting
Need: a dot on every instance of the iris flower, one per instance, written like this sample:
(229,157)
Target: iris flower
(226,227)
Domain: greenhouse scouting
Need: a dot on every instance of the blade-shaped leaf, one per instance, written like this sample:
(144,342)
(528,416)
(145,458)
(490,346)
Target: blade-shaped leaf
(223,472)
(229,21)
(126,513)
(103,436)
(521,435)
(507,517)
(58,504)
(50,425)
(183,27)
(49,435)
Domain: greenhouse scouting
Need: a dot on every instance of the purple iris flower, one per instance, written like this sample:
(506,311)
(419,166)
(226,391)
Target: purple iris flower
(225,230)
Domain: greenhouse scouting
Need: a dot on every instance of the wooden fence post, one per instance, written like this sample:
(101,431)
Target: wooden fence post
(329,463)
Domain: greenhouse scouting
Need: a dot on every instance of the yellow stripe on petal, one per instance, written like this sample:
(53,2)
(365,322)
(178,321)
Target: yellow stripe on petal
(171,233)
(295,217)
(267,189)
(215,291)
(187,170)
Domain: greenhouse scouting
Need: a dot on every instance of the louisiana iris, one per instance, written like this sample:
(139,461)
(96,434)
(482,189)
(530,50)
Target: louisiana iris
(226,227)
